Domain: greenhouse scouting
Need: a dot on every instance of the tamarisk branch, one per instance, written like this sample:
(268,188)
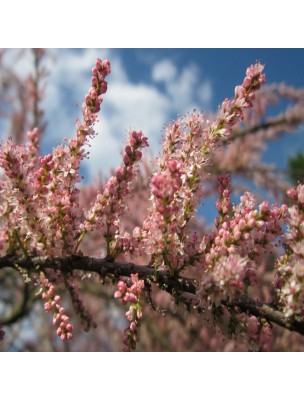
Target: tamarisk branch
(176,286)
(104,267)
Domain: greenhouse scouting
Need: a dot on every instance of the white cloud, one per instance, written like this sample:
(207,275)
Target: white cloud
(164,71)
(205,93)
(18,60)
(139,107)
(183,88)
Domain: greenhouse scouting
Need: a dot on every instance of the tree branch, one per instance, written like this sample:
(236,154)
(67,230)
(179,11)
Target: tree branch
(104,267)
(270,123)
(176,286)
(264,310)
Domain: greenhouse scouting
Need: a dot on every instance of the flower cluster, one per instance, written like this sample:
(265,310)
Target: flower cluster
(41,191)
(187,146)
(65,328)
(93,100)
(34,137)
(111,204)
(67,160)
(290,266)
(232,110)
(90,109)
(18,190)
(164,186)
(131,294)
(241,236)
(256,333)
(252,136)
(226,279)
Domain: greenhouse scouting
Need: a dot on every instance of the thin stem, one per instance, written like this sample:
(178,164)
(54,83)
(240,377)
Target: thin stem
(16,234)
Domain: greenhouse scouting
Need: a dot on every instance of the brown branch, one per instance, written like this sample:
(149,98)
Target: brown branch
(270,123)
(263,310)
(178,287)
(39,74)
(35,81)
(104,267)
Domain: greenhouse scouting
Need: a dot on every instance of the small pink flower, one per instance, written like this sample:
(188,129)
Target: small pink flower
(132,294)
(118,294)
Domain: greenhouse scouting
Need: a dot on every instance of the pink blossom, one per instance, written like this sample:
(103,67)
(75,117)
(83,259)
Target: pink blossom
(110,205)
(290,265)
(241,236)
(131,293)
(64,330)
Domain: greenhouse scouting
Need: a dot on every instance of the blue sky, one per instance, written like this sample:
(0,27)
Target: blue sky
(148,87)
